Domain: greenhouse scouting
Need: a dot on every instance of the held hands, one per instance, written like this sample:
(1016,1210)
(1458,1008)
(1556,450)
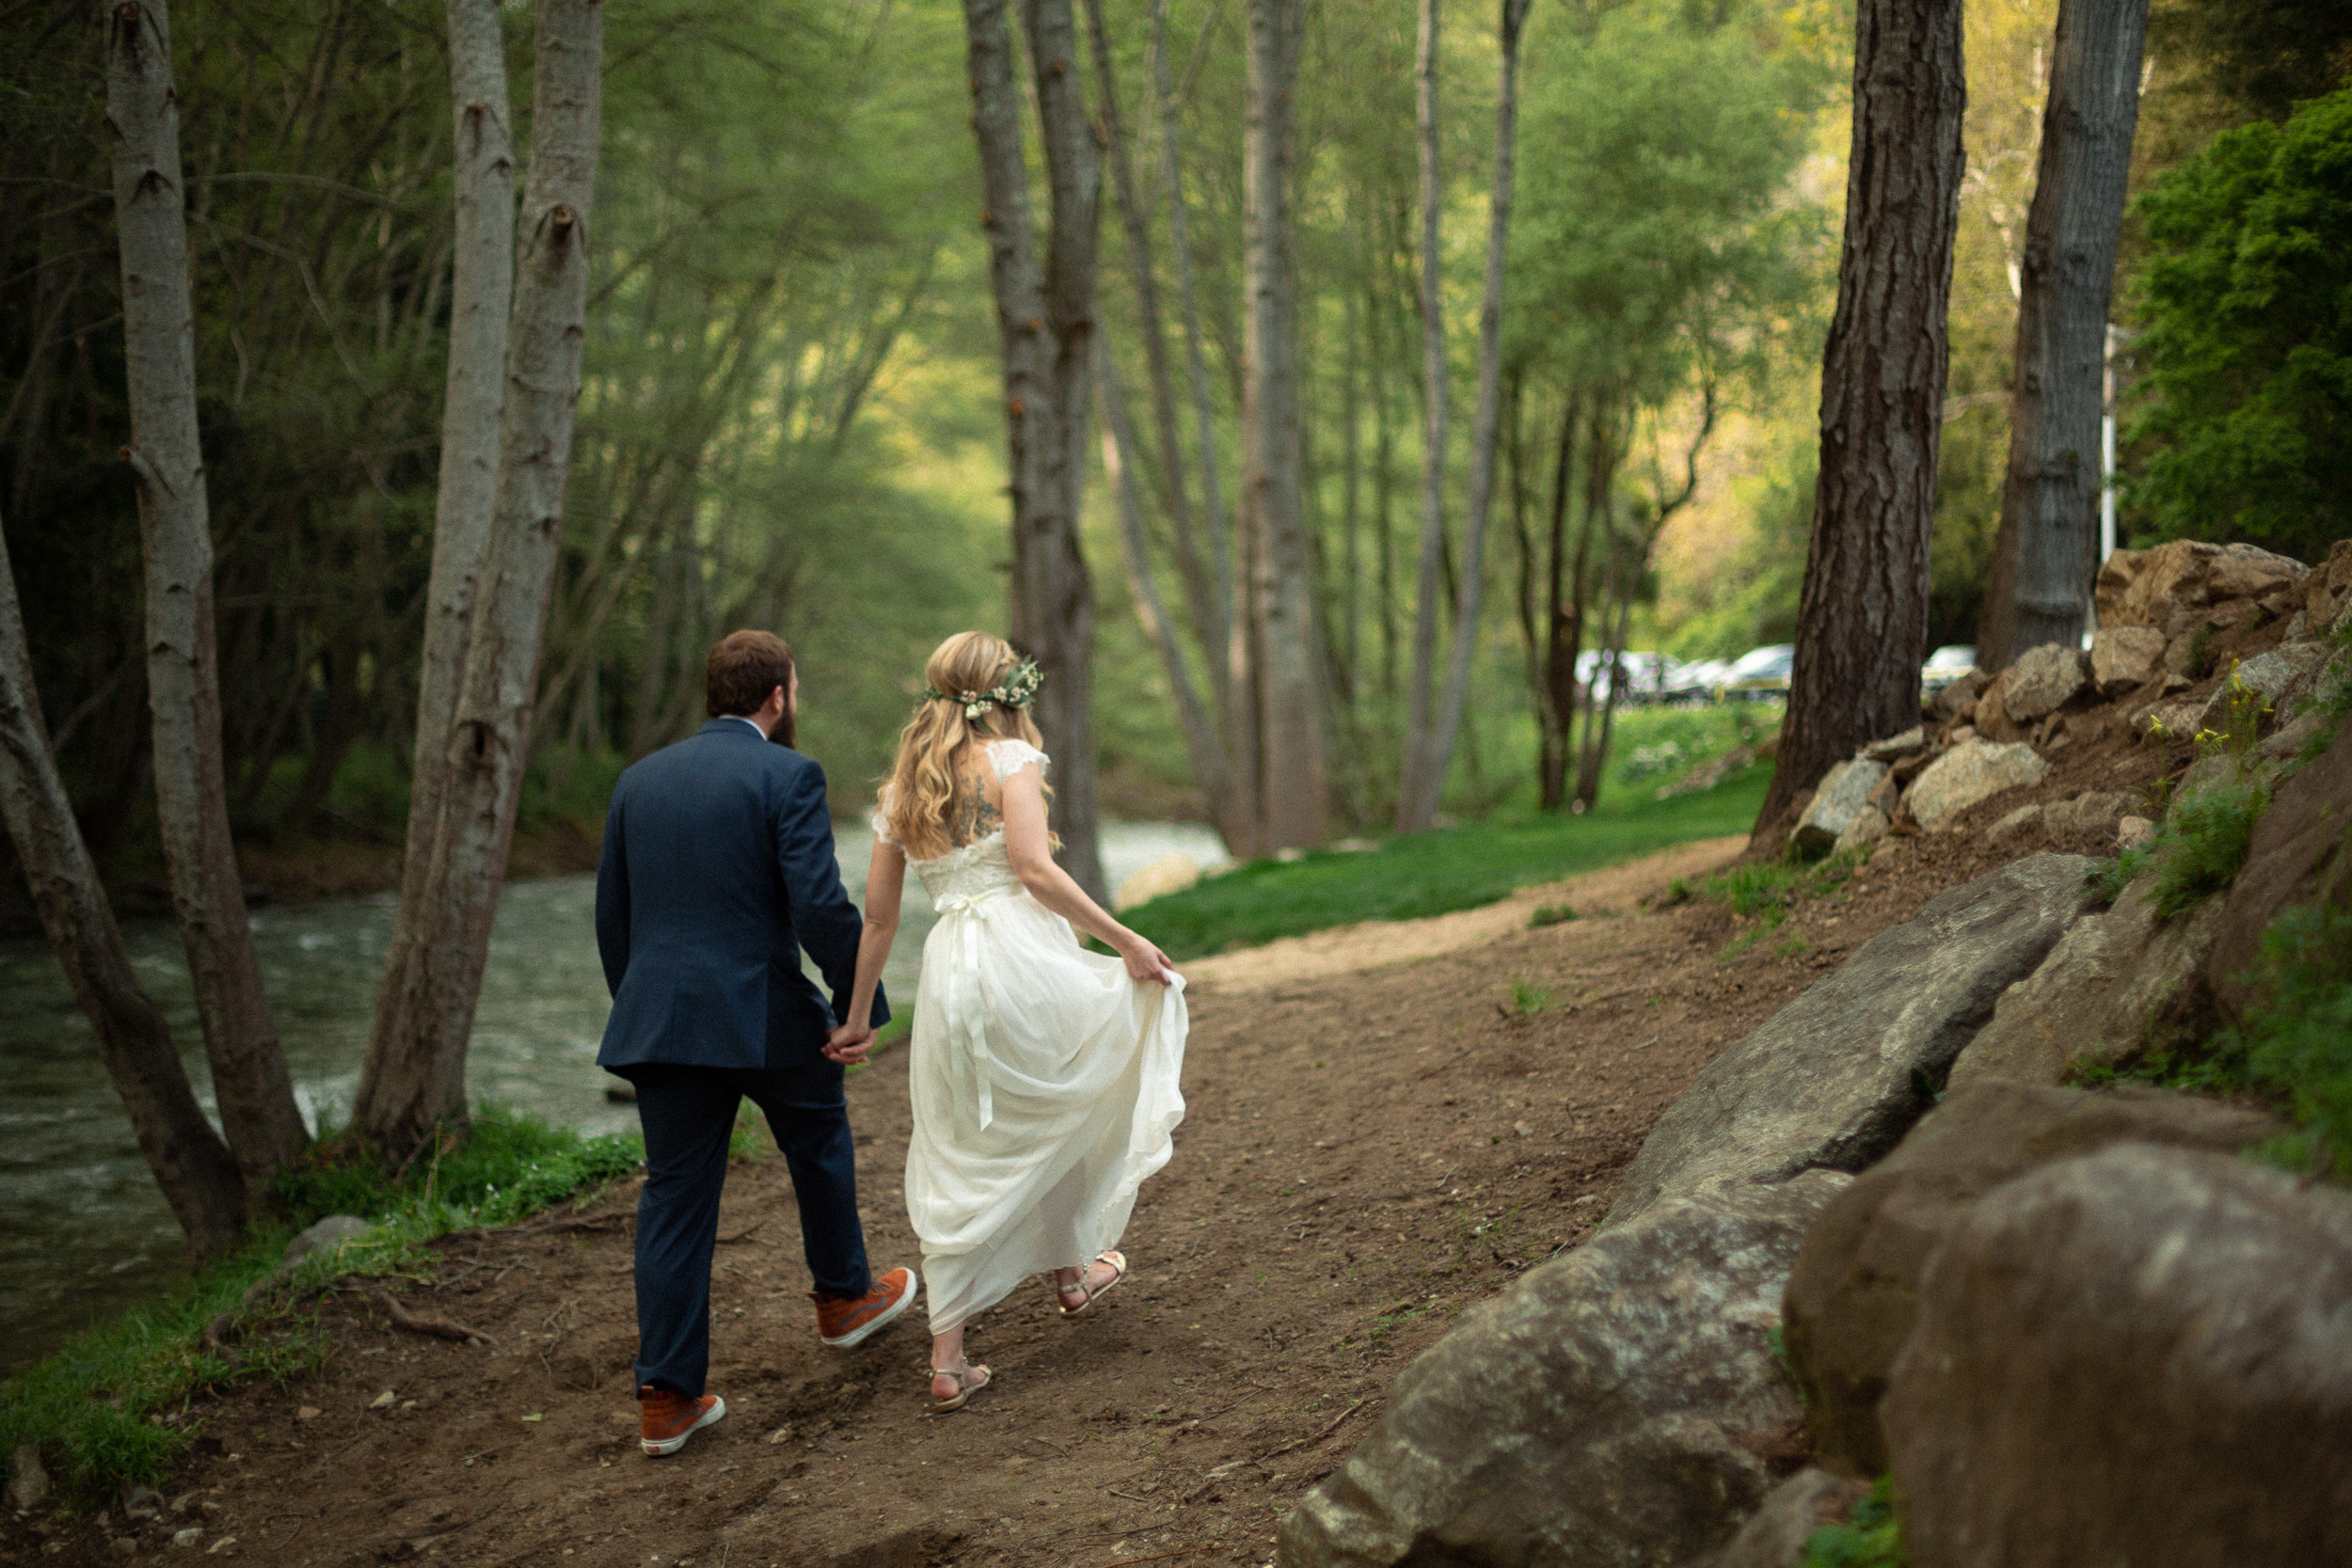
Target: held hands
(847,1043)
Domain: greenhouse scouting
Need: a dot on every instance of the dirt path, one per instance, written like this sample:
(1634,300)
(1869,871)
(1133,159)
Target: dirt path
(1374,1146)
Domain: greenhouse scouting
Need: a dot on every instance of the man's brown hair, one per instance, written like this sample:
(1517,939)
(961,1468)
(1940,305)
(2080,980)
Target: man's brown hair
(744,667)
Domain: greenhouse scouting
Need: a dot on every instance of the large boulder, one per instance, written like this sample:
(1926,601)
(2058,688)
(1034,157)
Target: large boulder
(326,1236)
(1854,1290)
(2327,597)
(1835,1079)
(1972,771)
(2124,659)
(2275,678)
(1844,794)
(2142,1356)
(2041,681)
(2117,984)
(2298,857)
(1620,1405)
(2144,588)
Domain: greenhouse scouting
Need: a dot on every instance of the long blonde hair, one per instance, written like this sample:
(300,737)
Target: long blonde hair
(922,786)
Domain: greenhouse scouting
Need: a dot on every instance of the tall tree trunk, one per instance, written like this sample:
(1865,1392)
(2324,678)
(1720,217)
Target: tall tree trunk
(1564,629)
(481,295)
(1425,775)
(193,1166)
(415,1077)
(1862,617)
(2042,557)
(1045,321)
(1290,700)
(249,1079)
(1411,789)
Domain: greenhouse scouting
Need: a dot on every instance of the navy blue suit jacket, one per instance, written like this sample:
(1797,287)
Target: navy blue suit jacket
(718,868)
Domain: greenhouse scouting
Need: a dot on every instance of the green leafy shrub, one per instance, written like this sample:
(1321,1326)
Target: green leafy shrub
(1552,914)
(1870,1537)
(2298,1041)
(2204,844)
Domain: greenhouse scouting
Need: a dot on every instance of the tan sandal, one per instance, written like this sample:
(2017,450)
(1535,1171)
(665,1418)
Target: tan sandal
(1117,1261)
(963,1390)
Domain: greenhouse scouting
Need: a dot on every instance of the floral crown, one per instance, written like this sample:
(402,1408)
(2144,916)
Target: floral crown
(1016,690)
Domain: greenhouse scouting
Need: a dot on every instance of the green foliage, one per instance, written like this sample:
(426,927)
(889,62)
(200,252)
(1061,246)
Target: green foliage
(1527,1000)
(2244,428)
(2205,844)
(1425,874)
(1550,915)
(112,1406)
(1764,890)
(2257,57)
(2297,1040)
(1870,1538)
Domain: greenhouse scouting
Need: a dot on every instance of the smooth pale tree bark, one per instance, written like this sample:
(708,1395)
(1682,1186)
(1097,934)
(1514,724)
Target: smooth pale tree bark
(250,1082)
(2042,558)
(1290,694)
(415,1078)
(1424,777)
(1045,322)
(481,294)
(1433,370)
(193,1166)
(1862,617)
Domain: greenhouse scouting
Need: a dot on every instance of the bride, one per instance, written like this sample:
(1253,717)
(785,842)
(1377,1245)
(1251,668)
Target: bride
(1044,1077)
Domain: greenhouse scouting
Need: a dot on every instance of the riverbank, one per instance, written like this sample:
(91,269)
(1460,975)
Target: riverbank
(1376,1141)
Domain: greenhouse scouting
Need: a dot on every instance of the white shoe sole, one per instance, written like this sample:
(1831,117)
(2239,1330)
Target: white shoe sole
(857,1336)
(671,1445)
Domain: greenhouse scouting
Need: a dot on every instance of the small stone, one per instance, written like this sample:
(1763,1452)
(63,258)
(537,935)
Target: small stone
(1869,825)
(2015,823)
(329,1234)
(220,1545)
(2135,832)
(2124,659)
(189,1537)
(1522,1129)
(1967,774)
(1844,793)
(2042,680)
(141,1502)
(2093,811)
(1895,747)
(29,1483)
(308,1413)
(383,1401)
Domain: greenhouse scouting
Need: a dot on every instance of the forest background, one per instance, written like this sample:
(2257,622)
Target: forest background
(791,409)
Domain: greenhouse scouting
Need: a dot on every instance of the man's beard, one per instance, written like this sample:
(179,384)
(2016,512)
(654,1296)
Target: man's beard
(785,732)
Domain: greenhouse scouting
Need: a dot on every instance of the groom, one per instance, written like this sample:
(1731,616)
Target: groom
(718,868)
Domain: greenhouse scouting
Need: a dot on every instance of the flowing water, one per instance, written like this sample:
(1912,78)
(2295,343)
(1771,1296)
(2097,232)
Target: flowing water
(84,1232)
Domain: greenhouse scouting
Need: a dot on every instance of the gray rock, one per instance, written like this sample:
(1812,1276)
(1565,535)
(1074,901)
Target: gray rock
(2093,811)
(2276,677)
(1619,1406)
(1855,1291)
(1844,792)
(2124,659)
(1977,770)
(29,1483)
(2015,823)
(2117,985)
(330,1232)
(2042,681)
(1869,826)
(1833,1079)
(1896,747)
(2143,1356)
(2135,832)
(2146,588)
(2171,721)
(1775,1534)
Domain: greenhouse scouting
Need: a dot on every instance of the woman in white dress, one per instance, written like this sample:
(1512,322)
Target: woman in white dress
(1044,1077)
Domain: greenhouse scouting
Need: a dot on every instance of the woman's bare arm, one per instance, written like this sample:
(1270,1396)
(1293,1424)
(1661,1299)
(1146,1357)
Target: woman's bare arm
(1030,849)
(886,887)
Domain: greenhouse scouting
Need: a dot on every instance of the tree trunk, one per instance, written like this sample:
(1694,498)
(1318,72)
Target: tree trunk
(1045,321)
(1564,626)
(415,1077)
(1429,770)
(249,1079)
(1862,619)
(193,1166)
(1412,788)
(481,295)
(1290,704)
(2042,557)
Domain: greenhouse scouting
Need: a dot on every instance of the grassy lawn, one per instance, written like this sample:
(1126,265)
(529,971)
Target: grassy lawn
(1433,873)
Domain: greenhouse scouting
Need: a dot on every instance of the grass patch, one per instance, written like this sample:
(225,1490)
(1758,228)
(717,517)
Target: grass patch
(2198,851)
(1870,1537)
(113,1406)
(1527,1000)
(1550,915)
(2299,1043)
(1436,873)
(1764,889)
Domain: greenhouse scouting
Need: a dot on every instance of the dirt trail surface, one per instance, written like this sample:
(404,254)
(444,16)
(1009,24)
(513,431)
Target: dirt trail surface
(1374,1146)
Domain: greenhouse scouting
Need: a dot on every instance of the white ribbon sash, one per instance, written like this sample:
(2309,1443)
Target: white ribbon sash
(970,1067)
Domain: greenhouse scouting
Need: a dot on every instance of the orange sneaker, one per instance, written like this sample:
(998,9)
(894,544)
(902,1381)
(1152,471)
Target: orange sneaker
(846,1321)
(667,1420)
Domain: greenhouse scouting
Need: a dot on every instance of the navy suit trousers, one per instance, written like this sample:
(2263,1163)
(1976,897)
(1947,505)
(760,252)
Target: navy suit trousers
(688,1113)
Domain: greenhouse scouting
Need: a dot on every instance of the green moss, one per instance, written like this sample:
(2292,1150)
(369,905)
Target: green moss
(1870,1538)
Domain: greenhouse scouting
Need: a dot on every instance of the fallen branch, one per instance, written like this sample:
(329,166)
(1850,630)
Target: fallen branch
(1336,1423)
(440,1328)
(568,1222)
(1157,1557)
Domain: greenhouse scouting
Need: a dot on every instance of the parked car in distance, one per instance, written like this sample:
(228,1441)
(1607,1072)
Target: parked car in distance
(1759,673)
(1946,665)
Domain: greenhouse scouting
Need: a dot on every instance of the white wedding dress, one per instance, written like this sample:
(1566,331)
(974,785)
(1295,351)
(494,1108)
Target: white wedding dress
(1044,1081)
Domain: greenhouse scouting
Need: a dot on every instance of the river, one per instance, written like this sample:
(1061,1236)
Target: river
(84,1232)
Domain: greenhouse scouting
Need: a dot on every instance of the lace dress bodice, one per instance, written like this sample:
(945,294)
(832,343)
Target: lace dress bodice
(980,867)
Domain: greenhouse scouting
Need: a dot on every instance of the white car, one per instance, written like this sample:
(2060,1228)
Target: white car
(1760,672)
(1946,665)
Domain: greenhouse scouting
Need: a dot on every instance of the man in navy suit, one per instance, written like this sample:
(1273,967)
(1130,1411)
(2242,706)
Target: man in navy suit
(718,869)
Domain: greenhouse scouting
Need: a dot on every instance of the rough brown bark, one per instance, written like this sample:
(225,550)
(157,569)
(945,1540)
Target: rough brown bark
(415,1076)
(1290,694)
(481,295)
(2041,559)
(250,1082)
(1862,616)
(1045,322)
(193,1166)
(1425,774)
(1420,697)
